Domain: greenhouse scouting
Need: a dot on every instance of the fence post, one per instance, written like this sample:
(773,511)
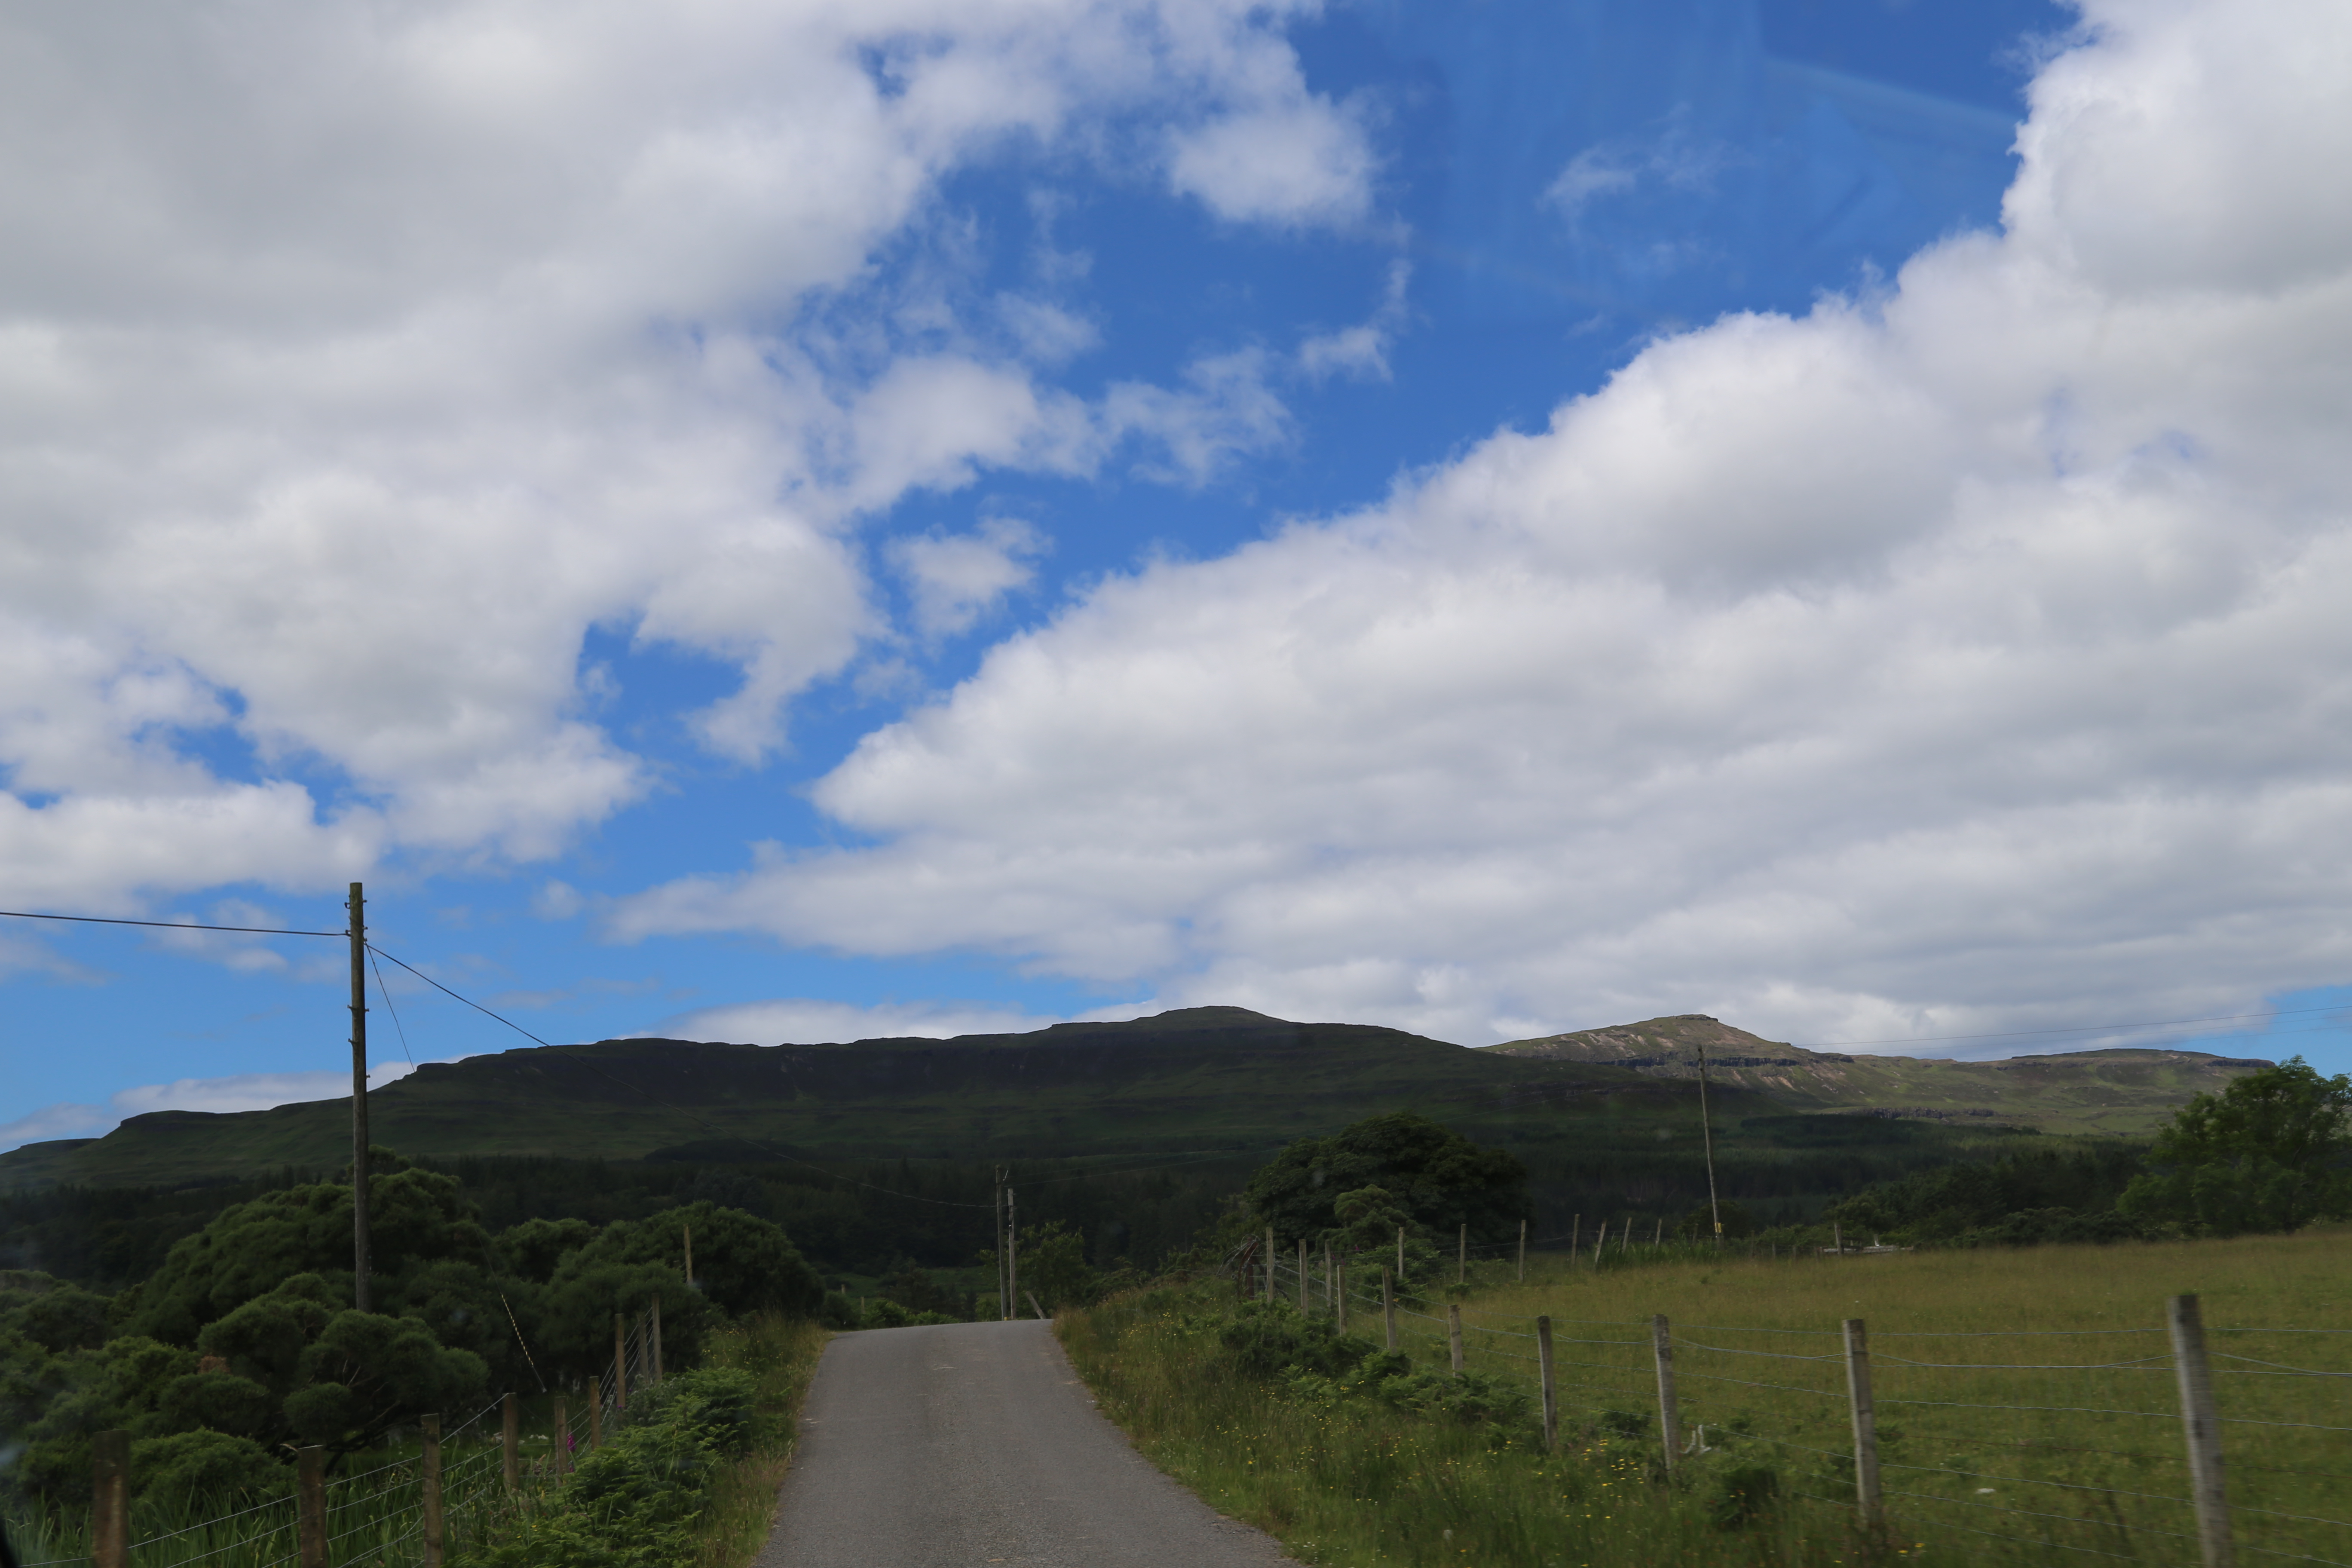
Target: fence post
(1550,1391)
(1837,1239)
(1670,1421)
(1269,1266)
(657,1365)
(1388,1304)
(510,1442)
(619,1366)
(1461,1258)
(2200,1425)
(110,1500)
(311,1506)
(1454,1334)
(1601,1244)
(428,1429)
(1865,1423)
(1399,1252)
(563,1436)
(1523,1252)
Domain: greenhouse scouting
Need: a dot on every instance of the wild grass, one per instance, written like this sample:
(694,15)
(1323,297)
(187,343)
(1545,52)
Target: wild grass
(2026,1404)
(782,1352)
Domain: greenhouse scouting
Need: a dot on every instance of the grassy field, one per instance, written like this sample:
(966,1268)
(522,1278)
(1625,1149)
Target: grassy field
(2026,1411)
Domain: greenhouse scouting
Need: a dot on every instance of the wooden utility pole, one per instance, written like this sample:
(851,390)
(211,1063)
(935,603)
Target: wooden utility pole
(2202,1426)
(1012,1250)
(1003,1284)
(360,1294)
(1706,1134)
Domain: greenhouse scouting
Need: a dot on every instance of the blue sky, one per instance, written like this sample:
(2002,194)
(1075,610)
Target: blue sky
(825,521)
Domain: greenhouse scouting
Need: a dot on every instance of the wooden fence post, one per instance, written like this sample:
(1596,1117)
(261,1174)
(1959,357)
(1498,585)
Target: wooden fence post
(1575,1237)
(1388,1304)
(510,1442)
(1523,1252)
(1550,1390)
(1269,1266)
(1601,1244)
(1837,1241)
(657,1365)
(563,1436)
(2202,1426)
(310,1507)
(428,1429)
(1454,1334)
(110,1500)
(1670,1423)
(619,1366)
(1865,1423)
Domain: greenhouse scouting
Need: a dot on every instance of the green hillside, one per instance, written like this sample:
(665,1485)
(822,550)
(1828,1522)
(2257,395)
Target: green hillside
(1194,1081)
(2118,1093)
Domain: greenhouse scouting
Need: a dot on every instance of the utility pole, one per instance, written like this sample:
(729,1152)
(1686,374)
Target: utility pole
(1003,1286)
(1012,1247)
(359,1103)
(1706,1131)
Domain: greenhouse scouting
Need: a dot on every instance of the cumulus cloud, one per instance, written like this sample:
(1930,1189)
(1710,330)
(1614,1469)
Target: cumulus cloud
(356,360)
(1970,655)
(237,1091)
(957,578)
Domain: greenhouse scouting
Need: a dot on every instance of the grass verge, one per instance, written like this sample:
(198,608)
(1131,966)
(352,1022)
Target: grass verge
(781,1354)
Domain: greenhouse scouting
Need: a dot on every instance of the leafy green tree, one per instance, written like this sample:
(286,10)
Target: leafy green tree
(534,1248)
(1429,1172)
(2270,1153)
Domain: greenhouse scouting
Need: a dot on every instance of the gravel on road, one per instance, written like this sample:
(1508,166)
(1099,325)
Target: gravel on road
(961,1444)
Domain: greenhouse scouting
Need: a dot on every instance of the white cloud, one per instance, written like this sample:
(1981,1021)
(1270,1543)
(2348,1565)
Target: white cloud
(1360,351)
(957,578)
(804,1021)
(1304,160)
(237,1091)
(1965,657)
(1669,155)
(355,360)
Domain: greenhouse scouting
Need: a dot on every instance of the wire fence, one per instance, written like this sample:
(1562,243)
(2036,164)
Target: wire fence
(489,1467)
(2075,1440)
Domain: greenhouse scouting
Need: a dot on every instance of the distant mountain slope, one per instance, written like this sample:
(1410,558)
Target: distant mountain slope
(2118,1092)
(1194,1080)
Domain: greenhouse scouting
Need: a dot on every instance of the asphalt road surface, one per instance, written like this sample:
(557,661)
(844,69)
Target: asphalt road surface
(974,1443)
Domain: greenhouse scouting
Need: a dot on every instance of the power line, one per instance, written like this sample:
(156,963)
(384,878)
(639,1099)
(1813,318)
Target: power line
(164,925)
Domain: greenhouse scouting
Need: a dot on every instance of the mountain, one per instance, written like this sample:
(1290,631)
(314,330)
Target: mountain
(1200,1080)
(2123,1092)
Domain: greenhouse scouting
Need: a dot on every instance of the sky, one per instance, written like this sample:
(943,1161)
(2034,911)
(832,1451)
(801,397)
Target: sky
(801,521)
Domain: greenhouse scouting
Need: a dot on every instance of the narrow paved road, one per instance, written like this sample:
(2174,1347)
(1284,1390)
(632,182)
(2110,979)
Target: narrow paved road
(965,1443)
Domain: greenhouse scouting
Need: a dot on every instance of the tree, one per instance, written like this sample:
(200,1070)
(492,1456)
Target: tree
(1431,1175)
(2270,1153)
